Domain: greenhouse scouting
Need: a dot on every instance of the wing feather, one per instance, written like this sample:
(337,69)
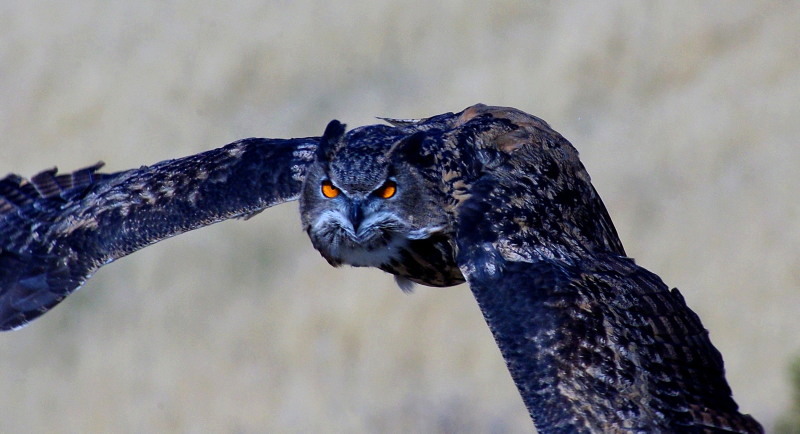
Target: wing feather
(603,345)
(58,229)
(594,342)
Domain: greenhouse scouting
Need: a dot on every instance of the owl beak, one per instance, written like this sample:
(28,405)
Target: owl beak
(356,214)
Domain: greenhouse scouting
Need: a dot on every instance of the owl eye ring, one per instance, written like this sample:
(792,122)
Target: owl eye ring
(387,190)
(328,189)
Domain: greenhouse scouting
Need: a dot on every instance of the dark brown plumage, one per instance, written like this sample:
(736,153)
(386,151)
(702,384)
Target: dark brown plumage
(489,195)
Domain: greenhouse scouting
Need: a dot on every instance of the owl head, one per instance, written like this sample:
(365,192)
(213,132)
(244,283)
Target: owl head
(363,200)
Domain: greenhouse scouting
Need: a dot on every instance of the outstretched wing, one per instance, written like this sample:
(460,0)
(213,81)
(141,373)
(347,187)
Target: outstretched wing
(594,342)
(602,346)
(56,230)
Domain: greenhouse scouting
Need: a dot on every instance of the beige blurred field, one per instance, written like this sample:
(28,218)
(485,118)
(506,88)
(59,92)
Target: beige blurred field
(686,115)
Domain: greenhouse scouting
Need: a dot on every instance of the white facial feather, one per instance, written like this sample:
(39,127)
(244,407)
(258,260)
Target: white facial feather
(369,247)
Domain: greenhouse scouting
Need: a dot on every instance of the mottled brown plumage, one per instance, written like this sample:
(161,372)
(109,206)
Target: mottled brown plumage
(491,196)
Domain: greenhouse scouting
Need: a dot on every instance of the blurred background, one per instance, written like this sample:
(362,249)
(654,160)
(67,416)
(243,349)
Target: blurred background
(685,113)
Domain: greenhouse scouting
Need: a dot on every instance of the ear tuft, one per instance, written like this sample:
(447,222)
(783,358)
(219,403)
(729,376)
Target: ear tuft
(333,134)
(411,150)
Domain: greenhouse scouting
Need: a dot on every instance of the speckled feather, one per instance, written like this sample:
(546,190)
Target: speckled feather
(594,342)
(55,231)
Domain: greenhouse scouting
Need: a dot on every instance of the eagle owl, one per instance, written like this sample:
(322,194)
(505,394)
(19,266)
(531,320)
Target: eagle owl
(490,195)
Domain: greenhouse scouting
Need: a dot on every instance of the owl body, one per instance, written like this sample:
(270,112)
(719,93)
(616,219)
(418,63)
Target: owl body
(491,196)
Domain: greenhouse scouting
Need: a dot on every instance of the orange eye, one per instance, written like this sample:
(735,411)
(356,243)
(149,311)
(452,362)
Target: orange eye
(328,190)
(387,190)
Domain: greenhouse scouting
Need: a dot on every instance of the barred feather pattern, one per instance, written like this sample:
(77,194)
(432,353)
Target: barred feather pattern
(57,229)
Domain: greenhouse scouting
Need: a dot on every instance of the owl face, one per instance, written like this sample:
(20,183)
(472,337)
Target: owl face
(362,203)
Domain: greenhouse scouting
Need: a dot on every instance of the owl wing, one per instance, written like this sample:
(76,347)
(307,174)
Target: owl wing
(593,341)
(56,230)
(602,345)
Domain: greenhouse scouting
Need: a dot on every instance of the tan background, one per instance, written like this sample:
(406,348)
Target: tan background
(686,115)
